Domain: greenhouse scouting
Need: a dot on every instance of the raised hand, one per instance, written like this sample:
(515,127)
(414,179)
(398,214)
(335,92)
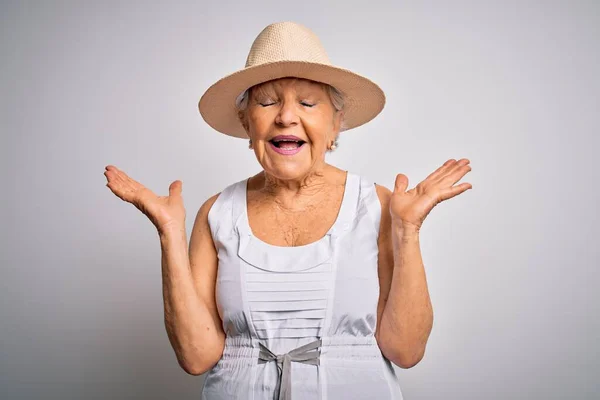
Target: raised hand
(409,208)
(163,211)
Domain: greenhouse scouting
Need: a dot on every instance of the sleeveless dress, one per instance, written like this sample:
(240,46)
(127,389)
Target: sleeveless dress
(299,321)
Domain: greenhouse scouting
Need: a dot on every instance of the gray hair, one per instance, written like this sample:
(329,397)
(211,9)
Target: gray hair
(336,97)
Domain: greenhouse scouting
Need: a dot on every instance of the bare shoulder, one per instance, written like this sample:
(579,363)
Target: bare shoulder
(201,237)
(205,208)
(383,193)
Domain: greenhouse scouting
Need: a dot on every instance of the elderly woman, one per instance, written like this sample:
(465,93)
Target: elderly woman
(303,281)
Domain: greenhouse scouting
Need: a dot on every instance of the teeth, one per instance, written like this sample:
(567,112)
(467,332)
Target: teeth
(278,143)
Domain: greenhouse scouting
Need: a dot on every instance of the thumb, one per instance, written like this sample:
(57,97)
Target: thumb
(175,188)
(401,183)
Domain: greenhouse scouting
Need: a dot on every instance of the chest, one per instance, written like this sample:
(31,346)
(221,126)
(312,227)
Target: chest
(298,291)
(279,226)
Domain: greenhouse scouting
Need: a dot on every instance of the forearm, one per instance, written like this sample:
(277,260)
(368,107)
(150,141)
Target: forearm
(188,321)
(407,318)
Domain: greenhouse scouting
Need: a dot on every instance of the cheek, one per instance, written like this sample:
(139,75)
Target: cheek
(318,131)
(259,124)
(265,115)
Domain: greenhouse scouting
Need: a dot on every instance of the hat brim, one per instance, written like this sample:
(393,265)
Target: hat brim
(364,99)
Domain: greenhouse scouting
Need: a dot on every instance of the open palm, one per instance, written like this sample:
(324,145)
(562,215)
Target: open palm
(412,206)
(163,211)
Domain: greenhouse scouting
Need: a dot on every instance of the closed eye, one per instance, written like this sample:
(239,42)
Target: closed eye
(305,104)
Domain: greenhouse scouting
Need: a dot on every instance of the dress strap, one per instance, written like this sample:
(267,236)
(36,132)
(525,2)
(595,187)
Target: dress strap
(370,202)
(238,206)
(219,216)
(349,205)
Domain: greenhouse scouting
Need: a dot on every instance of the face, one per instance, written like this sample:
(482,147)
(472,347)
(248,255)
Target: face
(299,109)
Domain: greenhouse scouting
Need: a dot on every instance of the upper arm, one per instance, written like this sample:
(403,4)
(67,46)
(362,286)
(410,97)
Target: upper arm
(386,254)
(204,264)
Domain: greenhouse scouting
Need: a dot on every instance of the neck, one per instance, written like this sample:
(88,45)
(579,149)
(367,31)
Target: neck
(299,192)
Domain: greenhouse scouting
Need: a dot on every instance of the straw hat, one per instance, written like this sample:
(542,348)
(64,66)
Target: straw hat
(288,49)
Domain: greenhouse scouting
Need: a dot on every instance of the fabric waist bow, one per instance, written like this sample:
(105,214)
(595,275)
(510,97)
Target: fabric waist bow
(306,354)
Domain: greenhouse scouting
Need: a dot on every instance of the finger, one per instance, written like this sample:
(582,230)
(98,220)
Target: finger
(461,162)
(401,183)
(118,191)
(127,181)
(440,170)
(450,168)
(175,188)
(121,192)
(119,177)
(450,192)
(111,176)
(121,185)
(456,174)
(458,165)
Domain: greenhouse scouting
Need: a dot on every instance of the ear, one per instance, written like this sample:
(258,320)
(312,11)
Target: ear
(337,123)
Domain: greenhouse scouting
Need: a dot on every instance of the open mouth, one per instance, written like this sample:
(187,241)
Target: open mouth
(287,144)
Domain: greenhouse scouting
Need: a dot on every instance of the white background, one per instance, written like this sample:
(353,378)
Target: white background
(512,264)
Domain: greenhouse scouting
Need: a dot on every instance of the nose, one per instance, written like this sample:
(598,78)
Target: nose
(287,115)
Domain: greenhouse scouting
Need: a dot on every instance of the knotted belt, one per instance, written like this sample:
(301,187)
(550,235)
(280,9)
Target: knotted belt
(306,354)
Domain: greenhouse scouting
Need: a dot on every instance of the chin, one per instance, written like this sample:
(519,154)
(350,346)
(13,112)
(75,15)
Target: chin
(288,170)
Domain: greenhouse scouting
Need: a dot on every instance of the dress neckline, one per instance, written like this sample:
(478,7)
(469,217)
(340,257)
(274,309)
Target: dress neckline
(342,210)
